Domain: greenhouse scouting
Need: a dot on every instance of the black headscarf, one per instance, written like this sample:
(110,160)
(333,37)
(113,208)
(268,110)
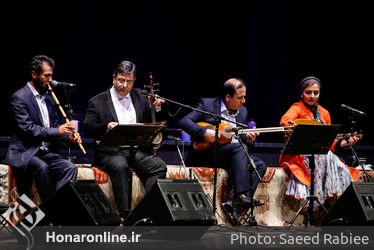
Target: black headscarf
(303,84)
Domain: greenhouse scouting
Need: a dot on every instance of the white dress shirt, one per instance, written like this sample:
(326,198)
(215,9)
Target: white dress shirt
(40,99)
(225,113)
(124,107)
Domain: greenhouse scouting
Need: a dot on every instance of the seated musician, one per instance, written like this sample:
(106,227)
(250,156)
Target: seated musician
(332,176)
(33,149)
(231,156)
(122,104)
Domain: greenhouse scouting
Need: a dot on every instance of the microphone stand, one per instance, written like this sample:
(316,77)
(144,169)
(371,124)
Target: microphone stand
(215,162)
(251,167)
(369,179)
(355,156)
(181,157)
(218,120)
(182,161)
(69,110)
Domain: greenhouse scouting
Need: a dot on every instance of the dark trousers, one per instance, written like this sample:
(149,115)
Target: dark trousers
(148,168)
(50,171)
(232,158)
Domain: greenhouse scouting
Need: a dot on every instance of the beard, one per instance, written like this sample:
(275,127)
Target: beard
(40,86)
(122,90)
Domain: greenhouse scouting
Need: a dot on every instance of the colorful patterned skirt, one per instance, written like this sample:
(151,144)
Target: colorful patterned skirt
(331,179)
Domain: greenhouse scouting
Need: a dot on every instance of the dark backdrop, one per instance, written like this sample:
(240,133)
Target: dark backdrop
(193,47)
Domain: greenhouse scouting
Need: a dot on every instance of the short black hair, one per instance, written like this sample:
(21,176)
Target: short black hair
(230,87)
(125,67)
(36,63)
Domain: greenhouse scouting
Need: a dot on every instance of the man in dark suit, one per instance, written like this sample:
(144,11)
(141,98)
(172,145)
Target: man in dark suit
(33,147)
(231,156)
(122,104)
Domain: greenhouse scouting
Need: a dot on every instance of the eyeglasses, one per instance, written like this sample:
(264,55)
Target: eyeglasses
(125,81)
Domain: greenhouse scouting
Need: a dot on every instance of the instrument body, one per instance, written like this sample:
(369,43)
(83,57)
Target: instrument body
(201,144)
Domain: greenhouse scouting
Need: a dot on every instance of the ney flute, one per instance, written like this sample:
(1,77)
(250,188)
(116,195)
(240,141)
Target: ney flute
(64,115)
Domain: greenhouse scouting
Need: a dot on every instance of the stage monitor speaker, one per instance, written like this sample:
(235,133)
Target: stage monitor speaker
(355,207)
(79,203)
(173,202)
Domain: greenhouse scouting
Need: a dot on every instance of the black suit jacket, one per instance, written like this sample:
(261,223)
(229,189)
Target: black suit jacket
(188,124)
(100,111)
(212,105)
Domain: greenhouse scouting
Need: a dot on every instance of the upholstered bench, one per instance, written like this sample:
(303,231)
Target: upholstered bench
(276,211)
(11,185)
(271,191)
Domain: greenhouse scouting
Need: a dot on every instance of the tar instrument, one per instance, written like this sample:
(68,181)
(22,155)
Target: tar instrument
(64,115)
(347,135)
(225,133)
(151,87)
(338,136)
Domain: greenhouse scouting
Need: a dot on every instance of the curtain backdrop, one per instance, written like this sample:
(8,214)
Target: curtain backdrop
(193,47)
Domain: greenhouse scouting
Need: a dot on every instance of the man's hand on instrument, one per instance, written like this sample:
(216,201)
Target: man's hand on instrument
(157,102)
(251,136)
(66,128)
(111,125)
(75,138)
(210,135)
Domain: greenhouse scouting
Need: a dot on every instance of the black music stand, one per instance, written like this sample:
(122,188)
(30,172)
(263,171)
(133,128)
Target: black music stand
(132,135)
(310,140)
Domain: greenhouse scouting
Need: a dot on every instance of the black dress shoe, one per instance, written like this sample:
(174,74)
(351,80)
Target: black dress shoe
(244,200)
(241,200)
(230,210)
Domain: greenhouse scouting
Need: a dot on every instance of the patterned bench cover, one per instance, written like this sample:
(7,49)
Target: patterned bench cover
(276,212)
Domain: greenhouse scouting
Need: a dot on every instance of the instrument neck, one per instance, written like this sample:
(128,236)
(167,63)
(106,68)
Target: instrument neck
(265,130)
(153,111)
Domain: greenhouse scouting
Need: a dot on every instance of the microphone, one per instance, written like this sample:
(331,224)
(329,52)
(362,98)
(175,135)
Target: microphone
(62,84)
(350,109)
(173,138)
(145,92)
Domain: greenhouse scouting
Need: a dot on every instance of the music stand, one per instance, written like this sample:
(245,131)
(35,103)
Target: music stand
(311,140)
(132,135)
